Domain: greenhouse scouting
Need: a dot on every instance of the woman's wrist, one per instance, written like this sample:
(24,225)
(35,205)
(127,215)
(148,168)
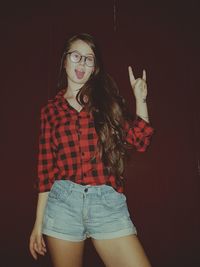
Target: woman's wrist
(144,117)
(141,100)
(38,221)
(141,109)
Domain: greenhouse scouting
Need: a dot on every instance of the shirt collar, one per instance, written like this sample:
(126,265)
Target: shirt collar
(60,96)
(64,104)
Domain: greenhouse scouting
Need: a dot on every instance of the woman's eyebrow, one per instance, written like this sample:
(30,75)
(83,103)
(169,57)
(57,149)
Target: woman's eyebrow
(89,54)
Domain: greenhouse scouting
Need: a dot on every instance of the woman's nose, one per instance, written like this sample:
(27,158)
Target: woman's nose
(82,61)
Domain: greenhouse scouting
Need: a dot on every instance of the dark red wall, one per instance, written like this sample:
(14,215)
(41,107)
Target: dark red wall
(162,184)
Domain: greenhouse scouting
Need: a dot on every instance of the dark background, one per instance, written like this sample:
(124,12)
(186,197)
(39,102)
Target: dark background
(162,184)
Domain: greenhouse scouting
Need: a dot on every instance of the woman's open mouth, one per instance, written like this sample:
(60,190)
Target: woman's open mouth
(79,74)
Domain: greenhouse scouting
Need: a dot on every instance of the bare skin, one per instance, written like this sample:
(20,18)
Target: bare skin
(124,251)
(65,253)
(139,88)
(37,244)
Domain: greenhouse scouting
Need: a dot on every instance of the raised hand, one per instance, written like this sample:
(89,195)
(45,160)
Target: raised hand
(138,85)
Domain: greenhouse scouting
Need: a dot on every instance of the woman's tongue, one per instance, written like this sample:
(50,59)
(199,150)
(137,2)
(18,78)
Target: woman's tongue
(79,74)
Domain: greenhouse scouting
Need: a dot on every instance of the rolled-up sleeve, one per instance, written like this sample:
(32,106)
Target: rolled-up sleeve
(139,134)
(46,157)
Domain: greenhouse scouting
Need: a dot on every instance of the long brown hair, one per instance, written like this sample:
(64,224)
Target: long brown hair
(106,104)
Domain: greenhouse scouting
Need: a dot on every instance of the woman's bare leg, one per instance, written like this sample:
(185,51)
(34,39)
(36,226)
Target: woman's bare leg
(65,253)
(124,251)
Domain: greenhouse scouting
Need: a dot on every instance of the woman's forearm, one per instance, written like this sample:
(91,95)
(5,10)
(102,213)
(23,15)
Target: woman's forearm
(141,110)
(42,200)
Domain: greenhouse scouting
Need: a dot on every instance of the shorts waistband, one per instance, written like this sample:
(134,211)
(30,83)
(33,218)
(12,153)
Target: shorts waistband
(89,189)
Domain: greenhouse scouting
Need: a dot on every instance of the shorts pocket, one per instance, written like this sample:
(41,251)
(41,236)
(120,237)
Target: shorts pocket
(57,199)
(59,191)
(113,199)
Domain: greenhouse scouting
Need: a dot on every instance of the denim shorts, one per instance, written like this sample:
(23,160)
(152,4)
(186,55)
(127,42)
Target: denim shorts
(75,212)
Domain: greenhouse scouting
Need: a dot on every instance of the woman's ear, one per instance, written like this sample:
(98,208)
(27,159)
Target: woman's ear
(96,71)
(65,63)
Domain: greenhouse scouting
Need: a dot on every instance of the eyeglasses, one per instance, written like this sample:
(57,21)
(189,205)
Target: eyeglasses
(75,57)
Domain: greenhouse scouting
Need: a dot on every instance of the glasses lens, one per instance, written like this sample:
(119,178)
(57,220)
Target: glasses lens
(75,57)
(89,61)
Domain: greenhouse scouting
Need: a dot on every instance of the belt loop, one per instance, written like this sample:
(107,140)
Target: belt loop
(99,191)
(71,185)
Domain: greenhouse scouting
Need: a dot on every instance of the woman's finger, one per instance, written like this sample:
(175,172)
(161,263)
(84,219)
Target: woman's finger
(40,244)
(131,76)
(144,76)
(39,249)
(32,249)
(35,246)
(43,243)
(34,254)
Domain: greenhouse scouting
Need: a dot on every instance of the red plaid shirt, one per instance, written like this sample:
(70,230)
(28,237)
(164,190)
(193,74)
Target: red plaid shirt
(68,146)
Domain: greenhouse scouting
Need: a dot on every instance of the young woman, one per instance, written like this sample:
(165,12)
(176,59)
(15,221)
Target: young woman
(85,134)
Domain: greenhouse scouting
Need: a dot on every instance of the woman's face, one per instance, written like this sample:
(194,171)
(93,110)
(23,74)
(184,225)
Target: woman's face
(79,72)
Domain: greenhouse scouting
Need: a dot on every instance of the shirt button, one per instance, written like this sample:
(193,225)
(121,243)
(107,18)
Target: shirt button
(84,174)
(82,153)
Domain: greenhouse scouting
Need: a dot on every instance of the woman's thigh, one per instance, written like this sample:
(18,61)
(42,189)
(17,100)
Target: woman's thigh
(65,253)
(123,251)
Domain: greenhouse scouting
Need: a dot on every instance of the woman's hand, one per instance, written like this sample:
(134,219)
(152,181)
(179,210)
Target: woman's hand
(37,244)
(138,85)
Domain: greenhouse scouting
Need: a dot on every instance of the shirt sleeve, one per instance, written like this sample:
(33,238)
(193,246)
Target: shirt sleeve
(139,134)
(46,157)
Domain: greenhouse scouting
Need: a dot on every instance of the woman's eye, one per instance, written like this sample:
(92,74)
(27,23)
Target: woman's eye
(76,55)
(91,59)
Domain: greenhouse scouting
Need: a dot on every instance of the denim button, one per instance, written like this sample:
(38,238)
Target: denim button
(86,189)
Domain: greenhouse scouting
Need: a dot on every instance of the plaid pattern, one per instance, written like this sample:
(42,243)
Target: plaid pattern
(68,142)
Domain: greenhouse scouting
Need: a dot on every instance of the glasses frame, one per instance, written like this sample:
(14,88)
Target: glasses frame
(81,56)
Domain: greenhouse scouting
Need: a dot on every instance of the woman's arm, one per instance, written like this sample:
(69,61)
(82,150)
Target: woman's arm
(139,134)
(37,244)
(142,110)
(42,200)
(139,88)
